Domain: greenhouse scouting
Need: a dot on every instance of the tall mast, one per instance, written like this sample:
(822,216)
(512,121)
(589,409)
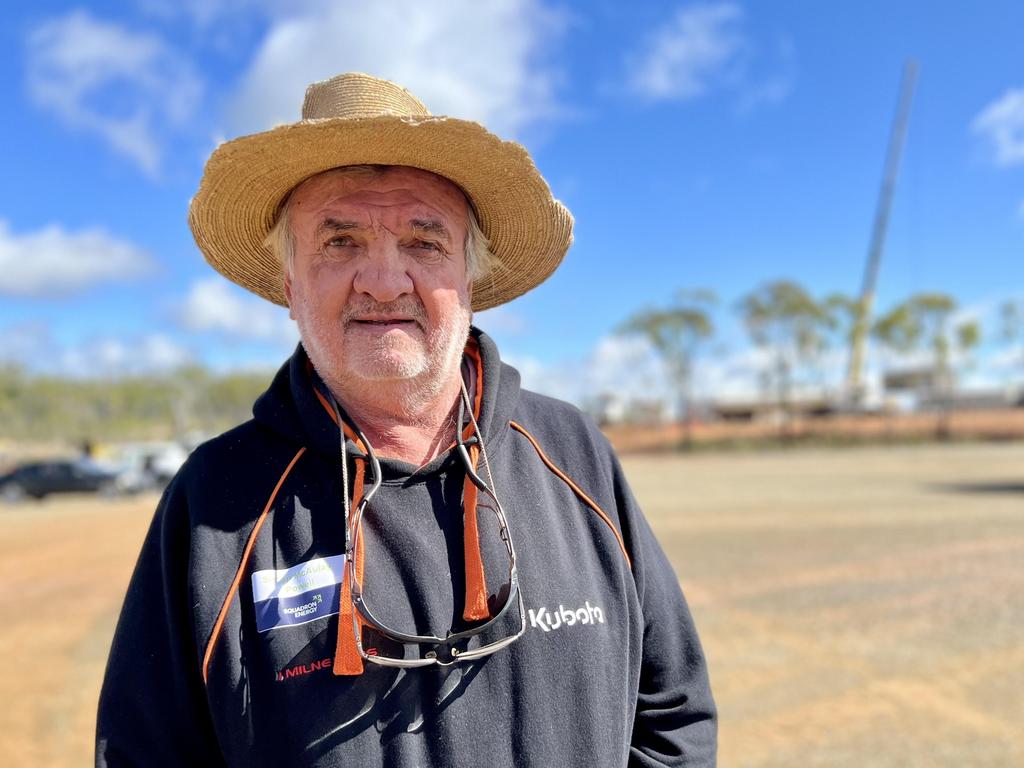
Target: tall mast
(854,383)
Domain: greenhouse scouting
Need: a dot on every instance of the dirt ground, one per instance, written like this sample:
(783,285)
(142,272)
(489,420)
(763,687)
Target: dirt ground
(859,607)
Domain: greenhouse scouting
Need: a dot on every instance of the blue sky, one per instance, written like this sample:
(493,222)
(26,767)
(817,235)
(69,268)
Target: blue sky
(715,145)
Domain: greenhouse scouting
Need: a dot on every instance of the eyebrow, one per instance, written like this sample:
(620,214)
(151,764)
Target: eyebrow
(426,226)
(431,226)
(337,225)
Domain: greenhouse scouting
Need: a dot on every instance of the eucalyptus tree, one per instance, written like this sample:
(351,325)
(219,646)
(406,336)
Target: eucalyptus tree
(784,319)
(923,323)
(676,333)
(847,322)
(1012,330)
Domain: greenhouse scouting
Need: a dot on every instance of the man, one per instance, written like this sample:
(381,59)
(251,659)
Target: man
(403,559)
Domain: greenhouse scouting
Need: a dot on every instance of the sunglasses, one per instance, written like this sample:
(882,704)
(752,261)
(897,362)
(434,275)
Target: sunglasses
(381,645)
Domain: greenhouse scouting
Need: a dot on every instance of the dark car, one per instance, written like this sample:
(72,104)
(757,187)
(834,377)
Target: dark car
(41,478)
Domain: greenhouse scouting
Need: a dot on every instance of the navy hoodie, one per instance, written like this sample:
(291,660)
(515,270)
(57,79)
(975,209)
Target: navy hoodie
(227,646)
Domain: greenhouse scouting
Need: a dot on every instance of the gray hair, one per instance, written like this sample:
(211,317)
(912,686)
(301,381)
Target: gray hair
(480,259)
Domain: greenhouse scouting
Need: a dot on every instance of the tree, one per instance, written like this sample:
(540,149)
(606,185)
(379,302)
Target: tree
(1012,331)
(847,319)
(169,404)
(922,323)
(782,318)
(844,314)
(676,333)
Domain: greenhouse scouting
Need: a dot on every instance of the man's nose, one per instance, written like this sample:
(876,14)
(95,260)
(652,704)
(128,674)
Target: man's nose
(383,273)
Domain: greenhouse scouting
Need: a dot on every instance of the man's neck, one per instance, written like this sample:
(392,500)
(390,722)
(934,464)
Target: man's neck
(402,423)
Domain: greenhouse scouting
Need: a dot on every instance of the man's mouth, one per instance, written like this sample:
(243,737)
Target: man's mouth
(385,322)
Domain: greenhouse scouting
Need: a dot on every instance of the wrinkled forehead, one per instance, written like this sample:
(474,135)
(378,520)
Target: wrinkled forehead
(379,187)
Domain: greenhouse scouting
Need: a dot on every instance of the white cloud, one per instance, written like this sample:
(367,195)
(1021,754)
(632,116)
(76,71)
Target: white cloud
(33,346)
(222,26)
(126,87)
(1008,360)
(119,356)
(629,370)
(689,54)
(1001,125)
(625,367)
(773,82)
(52,262)
(704,48)
(202,13)
(771,91)
(464,58)
(213,305)
(24,343)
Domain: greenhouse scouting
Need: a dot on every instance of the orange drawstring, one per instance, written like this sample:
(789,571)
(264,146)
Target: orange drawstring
(476,580)
(347,660)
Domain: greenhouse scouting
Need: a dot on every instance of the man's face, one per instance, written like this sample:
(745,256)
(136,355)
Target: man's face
(379,287)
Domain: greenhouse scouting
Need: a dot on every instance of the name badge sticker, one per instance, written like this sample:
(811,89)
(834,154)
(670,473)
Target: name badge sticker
(297,595)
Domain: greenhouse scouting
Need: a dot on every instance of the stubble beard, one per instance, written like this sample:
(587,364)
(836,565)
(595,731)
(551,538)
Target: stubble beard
(392,371)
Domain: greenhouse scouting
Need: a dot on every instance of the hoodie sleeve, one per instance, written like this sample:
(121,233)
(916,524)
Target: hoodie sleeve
(153,708)
(676,721)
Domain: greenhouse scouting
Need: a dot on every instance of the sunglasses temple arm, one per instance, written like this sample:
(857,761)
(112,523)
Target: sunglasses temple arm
(473,476)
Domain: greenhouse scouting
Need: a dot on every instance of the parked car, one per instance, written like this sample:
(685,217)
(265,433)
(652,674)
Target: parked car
(145,466)
(41,478)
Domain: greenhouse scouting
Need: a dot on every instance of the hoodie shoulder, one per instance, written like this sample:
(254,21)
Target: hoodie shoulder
(567,435)
(236,448)
(227,476)
(545,412)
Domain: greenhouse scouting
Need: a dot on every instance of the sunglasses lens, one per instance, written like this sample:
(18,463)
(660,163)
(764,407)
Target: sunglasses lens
(377,644)
(397,649)
(383,648)
(497,601)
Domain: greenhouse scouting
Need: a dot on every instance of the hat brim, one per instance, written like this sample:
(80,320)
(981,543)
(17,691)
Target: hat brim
(247,179)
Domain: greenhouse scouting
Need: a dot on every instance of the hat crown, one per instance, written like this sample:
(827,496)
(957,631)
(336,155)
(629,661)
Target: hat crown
(355,95)
(356,119)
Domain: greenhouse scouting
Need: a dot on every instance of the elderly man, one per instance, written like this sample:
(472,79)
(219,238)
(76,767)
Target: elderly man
(403,558)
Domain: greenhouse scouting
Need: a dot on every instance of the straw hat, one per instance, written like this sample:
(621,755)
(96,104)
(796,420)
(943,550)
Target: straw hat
(355,119)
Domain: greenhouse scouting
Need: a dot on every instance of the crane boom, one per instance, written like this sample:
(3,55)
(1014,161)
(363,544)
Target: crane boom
(854,384)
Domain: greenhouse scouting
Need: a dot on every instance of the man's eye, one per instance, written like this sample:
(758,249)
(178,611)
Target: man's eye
(338,246)
(426,245)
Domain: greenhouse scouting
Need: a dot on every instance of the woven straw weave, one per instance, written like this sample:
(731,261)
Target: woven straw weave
(355,119)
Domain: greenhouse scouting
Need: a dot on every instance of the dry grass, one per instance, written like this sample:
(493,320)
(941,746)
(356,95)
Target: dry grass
(862,607)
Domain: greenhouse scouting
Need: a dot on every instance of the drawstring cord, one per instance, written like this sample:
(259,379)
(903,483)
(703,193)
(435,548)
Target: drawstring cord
(347,658)
(483,448)
(475,608)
